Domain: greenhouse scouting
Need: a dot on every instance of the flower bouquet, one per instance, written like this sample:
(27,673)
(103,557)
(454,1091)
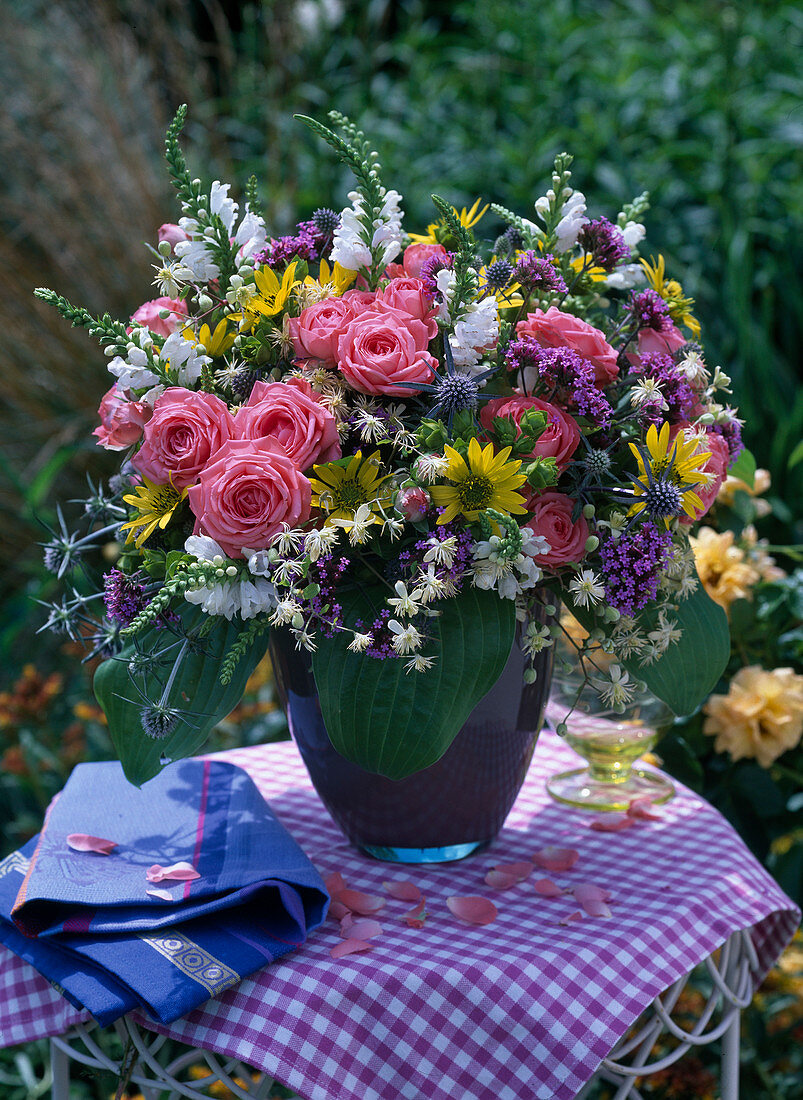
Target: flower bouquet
(402,451)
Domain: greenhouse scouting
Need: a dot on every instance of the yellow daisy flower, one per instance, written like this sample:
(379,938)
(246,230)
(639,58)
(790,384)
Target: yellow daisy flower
(215,343)
(596,274)
(485,481)
(271,296)
(155,505)
(436,230)
(672,293)
(668,476)
(340,490)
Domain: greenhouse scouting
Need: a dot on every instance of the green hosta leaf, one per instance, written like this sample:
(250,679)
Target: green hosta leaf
(396,723)
(745,468)
(195,690)
(688,672)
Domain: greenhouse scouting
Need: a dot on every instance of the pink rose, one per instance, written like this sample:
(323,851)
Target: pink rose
(171,233)
(248,492)
(409,296)
(184,433)
(359,300)
(316,330)
(716,466)
(121,421)
(292,416)
(416,255)
(148,315)
(559,439)
(380,349)
(665,342)
(552,518)
(555,329)
(413,503)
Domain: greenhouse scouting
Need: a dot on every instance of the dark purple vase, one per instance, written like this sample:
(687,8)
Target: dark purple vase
(450,809)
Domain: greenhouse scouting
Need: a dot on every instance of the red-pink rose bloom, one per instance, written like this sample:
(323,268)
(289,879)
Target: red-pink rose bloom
(171,233)
(359,300)
(560,438)
(408,296)
(716,465)
(317,329)
(380,349)
(148,315)
(413,503)
(250,490)
(184,433)
(555,329)
(416,255)
(665,342)
(121,421)
(293,416)
(552,518)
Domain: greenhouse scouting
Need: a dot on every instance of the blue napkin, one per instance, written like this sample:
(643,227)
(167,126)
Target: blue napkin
(87,922)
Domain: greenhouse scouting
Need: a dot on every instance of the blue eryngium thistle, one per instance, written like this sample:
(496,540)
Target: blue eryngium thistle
(158,720)
(455,391)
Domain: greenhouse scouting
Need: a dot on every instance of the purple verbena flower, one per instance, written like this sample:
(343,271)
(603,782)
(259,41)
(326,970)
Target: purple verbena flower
(124,596)
(731,432)
(561,371)
(538,274)
(604,243)
(676,391)
(632,566)
(647,309)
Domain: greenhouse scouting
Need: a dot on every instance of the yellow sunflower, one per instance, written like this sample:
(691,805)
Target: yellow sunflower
(340,490)
(672,293)
(437,230)
(155,505)
(485,481)
(668,476)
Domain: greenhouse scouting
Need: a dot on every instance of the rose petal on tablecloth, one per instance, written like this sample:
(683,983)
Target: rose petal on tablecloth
(556,859)
(403,890)
(349,947)
(473,909)
(83,842)
(571,918)
(500,880)
(358,902)
(334,883)
(417,916)
(592,899)
(364,929)
(176,872)
(338,911)
(155,892)
(547,888)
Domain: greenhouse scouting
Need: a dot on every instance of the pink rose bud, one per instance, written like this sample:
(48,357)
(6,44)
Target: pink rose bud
(413,503)
(171,233)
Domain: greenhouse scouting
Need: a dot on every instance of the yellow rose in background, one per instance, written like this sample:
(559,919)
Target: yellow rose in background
(724,568)
(761,717)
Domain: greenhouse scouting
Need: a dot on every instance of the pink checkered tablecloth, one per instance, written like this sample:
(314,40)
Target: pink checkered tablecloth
(521,1009)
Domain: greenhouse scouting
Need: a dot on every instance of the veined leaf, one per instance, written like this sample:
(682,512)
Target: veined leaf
(393,722)
(195,691)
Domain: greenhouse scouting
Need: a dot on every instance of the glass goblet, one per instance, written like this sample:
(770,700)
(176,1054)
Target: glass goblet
(611,742)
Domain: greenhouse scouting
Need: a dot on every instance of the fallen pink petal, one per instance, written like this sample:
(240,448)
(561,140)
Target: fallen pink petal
(83,842)
(547,888)
(365,929)
(520,871)
(155,892)
(403,890)
(500,880)
(339,911)
(473,909)
(596,908)
(572,918)
(335,883)
(611,823)
(556,859)
(589,891)
(349,947)
(417,916)
(643,809)
(364,904)
(177,872)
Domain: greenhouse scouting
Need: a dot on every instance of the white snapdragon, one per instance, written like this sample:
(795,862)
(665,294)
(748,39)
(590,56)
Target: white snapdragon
(251,236)
(183,358)
(134,371)
(197,261)
(236,595)
(633,233)
(573,217)
(221,205)
(477,329)
(625,277)
(355,238)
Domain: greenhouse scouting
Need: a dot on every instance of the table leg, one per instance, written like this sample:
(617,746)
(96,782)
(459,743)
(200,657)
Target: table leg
(60,1069)
(730,1059)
